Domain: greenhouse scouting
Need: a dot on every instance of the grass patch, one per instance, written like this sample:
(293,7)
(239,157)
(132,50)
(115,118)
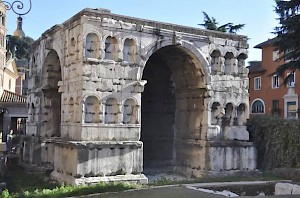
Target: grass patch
(263,176)
(27,184)
(22,184)
(19,180)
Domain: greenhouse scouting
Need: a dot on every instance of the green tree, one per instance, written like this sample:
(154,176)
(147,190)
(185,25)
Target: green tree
(19,46)
(288,33)
(210,23)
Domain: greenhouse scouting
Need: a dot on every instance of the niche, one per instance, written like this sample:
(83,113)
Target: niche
(111,111)
(92,110)
(111,48)
(216,62)
(129,51)
(92,46)
(130,112)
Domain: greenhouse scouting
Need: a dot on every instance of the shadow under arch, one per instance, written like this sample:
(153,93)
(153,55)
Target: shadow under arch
(51,99)
(172,108)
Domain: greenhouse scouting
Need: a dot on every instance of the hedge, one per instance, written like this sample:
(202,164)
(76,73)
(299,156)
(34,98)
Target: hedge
(277,141)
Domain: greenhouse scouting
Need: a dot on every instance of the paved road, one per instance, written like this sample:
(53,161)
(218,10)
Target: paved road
(169,192)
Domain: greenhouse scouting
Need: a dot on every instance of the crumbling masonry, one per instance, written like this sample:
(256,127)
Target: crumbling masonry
(111,95)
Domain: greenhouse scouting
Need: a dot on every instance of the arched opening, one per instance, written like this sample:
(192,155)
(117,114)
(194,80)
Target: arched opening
(241,115)
(172,109)
(230,66)
(51,100)
(241,62)
(92,110)
(130,112)
(112,111)
(216,62)
(217,114)
(229,115)
(129,51)
(92,45)
(111,48)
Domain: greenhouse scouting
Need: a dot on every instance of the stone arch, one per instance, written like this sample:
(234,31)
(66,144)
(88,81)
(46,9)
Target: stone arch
(130,111)
(189,47)
(51,106)
(172,103)
(111,48)
(112,111)
(92,110)
(130,51)
(258,106)
(92,46)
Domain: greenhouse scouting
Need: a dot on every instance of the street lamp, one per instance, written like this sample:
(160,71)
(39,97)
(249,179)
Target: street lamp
(17,7)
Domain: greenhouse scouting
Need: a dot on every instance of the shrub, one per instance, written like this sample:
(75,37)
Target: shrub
(277,141)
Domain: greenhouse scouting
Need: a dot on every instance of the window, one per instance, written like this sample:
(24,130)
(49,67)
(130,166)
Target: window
(9,84)
(257,83)
(275,55)
(291,80)
(275,108)
(275,81)
(258,107)
(287,54)
(291,110)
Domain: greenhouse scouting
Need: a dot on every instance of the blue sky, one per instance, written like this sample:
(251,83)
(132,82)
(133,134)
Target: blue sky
(258,15)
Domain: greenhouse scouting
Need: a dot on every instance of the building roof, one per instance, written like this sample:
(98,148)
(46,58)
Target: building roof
(10,97)
(255,66)
(266,43)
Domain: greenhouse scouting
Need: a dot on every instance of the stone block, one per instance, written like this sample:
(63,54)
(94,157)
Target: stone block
(236,133)
(287,189)
(214,132)
(97,160)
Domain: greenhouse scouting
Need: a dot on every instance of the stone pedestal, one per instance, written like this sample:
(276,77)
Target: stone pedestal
(79,162)
(231,155)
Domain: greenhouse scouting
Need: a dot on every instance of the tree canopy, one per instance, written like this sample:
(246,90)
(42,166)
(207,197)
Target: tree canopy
(19,46)
(211,23)
(288,33)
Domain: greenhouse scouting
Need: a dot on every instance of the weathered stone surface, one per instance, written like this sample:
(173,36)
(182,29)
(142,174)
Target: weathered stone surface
(287,189)
(103,79)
